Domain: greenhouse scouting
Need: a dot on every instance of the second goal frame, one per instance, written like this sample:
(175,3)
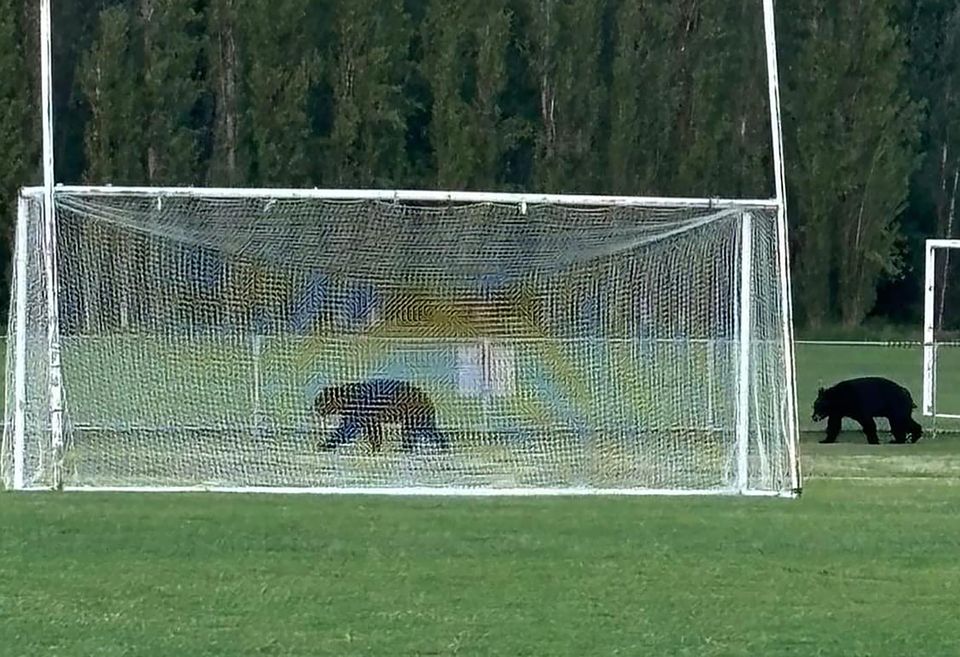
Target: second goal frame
(931,344)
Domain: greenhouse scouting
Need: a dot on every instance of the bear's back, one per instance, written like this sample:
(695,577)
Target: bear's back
(874,395)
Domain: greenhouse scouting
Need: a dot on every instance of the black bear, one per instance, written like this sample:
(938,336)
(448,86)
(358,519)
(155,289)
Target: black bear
(863,399)
(366,405)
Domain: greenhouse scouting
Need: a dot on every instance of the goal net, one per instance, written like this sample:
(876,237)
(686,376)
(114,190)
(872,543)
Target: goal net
(181,338)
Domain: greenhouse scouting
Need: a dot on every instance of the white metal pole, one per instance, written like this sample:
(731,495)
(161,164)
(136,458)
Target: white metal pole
(711,383)
(257,350)
(773,88)
(415,195)
(929,346)
(783,243)
(743,360)
(50,247)
(763,457)
(21,251)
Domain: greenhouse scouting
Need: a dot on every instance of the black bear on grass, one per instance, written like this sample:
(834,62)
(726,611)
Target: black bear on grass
(366,405)
(862,400)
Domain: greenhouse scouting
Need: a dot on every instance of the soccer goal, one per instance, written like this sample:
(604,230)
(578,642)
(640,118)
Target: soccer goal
(941,329)
(184,339)
(567,343)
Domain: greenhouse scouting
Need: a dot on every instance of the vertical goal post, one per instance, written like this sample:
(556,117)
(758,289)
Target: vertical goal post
(748,338)
(931,343)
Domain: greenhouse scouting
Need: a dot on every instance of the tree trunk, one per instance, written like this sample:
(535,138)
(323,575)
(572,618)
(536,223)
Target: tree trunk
(225,130)
(548,90)
(146,16)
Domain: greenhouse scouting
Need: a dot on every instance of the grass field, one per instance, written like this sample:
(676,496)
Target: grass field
(864,563)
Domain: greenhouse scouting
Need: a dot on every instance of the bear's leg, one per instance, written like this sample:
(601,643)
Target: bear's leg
(916,431)
(899,430)
(408,435)
(438,439)
(431,434)
(833,429)
(416,422)
(870,429)
(376,436)
(347,432)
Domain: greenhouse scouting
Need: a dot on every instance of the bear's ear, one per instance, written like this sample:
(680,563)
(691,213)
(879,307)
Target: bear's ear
(820,391)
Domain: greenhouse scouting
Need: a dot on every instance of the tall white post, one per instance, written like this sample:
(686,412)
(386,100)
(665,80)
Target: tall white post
(50,248)
(773,89)
(743,358)
(257,350)
(783,244)
(20,253)
(929,346)
(711,382)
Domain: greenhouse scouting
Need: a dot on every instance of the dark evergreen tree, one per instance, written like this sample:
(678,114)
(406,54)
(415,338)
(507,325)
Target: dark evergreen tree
(279,64)
(643,100)
(368,71)
(466,64)
(688,100)
(565,44)
(19,134)
(851,153)
(172,43)
(111,83)
(227,164)
(19,119)
(934,36)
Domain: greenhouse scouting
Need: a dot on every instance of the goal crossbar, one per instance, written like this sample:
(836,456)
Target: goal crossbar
(408,195)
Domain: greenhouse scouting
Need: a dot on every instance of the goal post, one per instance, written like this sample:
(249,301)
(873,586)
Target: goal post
(628,345)
(941,328)
(16,352)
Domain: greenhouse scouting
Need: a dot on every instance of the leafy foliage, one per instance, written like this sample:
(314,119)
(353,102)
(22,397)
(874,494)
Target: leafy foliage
(850,156)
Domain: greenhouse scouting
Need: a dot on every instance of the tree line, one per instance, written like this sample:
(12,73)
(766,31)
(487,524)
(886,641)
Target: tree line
(664,97)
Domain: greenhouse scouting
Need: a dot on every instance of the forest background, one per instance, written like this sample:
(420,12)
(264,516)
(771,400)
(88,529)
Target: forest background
(658,97)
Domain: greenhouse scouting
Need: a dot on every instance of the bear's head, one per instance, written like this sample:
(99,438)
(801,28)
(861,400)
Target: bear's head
(822,405)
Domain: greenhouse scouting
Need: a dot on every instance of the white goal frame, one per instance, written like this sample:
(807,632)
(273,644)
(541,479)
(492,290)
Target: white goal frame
(50,189)
(930,344)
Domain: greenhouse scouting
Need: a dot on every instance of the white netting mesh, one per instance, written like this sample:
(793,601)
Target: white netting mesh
(559,347)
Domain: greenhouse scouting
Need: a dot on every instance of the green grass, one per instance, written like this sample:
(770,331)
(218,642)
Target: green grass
(864,563)
(855,567)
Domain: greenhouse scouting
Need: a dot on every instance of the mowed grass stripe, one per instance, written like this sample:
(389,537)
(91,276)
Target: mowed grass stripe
(850,569)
